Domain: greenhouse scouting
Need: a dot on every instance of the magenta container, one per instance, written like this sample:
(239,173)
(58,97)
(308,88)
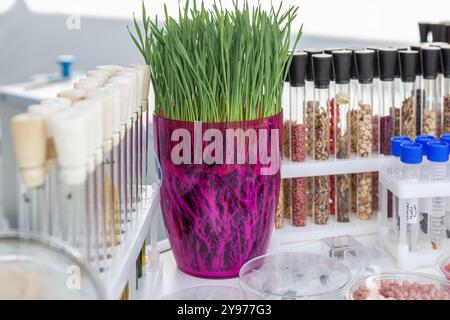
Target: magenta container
(218,216)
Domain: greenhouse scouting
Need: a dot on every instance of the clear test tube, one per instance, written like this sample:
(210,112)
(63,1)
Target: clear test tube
(353,119)
(446,138)
(445,53)
(50,218)
(107,101)
(115,94)
(411,158)
(29,139)
(138,136)
(310,107)
(396,171)
(364,134)
(106,238)
(408,66)
(284,198)
(332,127)
(125,89)
(431,109)
(143,126)
(342,61)
(322,66)
(285,189)
(133,137)
(70,129)
(389,111)
(437,154)
(127,139)
(419,89)
(93,112)
(297,72)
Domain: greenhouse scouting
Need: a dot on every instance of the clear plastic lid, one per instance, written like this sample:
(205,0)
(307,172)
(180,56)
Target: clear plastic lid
(211,293)
(294,275)
(444,265)
(43,268)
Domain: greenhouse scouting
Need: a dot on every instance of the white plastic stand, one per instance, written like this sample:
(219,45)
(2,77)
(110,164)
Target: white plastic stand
(122,268)
(424,255)
(311,232)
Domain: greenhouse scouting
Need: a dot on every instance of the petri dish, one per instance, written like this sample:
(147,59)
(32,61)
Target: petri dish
(211,293)
(399,286)
(444,265)
(38,267)
(295,276)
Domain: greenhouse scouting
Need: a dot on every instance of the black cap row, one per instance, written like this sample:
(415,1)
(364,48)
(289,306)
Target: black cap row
(433,60)
(365,64)
(440,32)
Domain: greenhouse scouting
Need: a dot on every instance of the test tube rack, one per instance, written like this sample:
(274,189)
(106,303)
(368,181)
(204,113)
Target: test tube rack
(122,272)
(290,235)
(424,255)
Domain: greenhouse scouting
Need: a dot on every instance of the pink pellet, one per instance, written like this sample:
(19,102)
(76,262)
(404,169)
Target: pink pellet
(389,289)
(299,202)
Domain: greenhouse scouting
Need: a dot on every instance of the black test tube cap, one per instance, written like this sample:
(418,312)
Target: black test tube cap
(342,62)
(388,63)
(297,69)
(364,65)
(353,73)
(430,62)
(445,52)
(376,61)
(330,51)
(408,64)
(418,48)
(424,28)
(309,65)
(322,65)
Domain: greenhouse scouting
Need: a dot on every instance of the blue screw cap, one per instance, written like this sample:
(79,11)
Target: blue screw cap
(395,144)
(411,153)
(437,151)
(445,138)
(423,140)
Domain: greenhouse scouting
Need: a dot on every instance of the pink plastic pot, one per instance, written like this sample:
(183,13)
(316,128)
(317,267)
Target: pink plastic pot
(218,216)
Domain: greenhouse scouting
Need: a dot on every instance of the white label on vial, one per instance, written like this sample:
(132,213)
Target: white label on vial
(410,208)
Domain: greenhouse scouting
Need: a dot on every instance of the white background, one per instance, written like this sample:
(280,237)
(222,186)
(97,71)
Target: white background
(390,20)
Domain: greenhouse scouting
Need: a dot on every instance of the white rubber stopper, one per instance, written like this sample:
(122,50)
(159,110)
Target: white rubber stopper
(70,128)
(30,139)
(125,98)
(88,84)
(133,76)
(111,68)
(146,79)
(73,95)
(86,108)
(107,106)
(60,102)
(132,84)
(116,100)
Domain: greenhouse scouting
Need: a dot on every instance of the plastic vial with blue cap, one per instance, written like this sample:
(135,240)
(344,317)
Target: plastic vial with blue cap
(424,203)
(411,158)
(423,140)
(437,154)
(396,172)
(395,152)
(446,138)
